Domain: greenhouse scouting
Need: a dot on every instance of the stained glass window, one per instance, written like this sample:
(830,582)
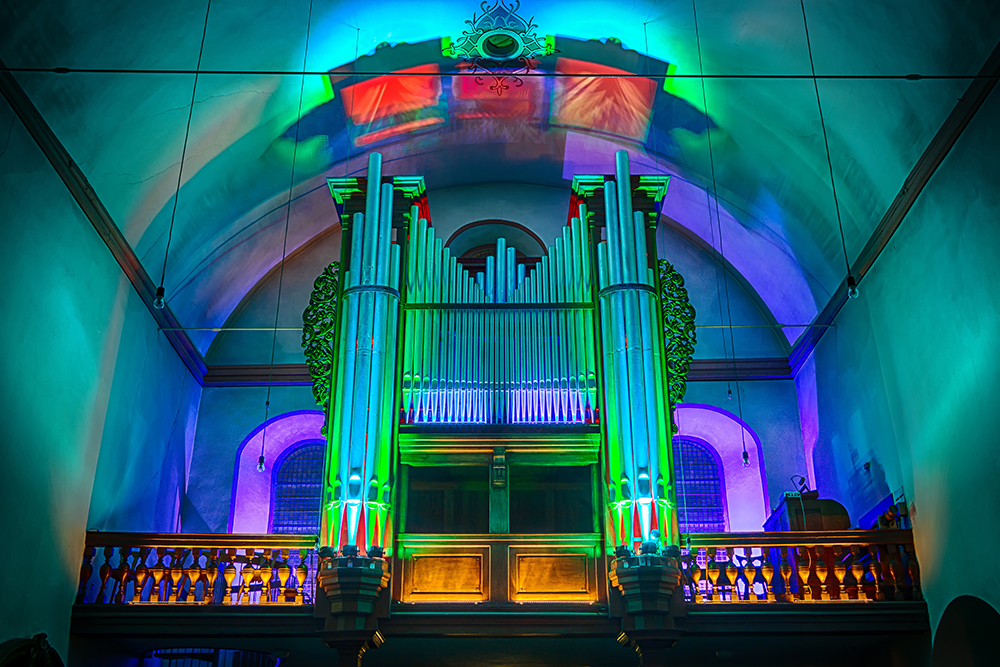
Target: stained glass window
(700,490)
(296,490)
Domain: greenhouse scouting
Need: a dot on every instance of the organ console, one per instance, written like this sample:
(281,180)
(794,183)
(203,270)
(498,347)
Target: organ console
(425,346)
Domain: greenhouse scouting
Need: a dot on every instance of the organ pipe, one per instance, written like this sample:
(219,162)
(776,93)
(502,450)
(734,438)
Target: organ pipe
(506,345)
(634,394)
(360,439)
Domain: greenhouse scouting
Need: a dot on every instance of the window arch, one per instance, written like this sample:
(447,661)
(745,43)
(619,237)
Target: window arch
(745,486)
(250,505)
(297,490)
(700,487)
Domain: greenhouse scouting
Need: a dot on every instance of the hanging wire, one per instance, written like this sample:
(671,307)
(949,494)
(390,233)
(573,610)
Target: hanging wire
(680,483)
(852,285)
(722,250)
(718,264)
(284,243)
(158,301)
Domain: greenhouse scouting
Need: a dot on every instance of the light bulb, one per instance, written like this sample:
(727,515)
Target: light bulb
(260,464)
(729,394)
(852,288)
(159,302)
(746,459)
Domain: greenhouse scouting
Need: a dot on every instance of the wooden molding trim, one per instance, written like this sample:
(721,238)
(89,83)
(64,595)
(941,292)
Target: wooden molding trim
(920,175)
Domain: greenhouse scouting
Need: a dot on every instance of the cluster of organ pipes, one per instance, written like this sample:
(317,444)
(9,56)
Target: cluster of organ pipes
(640,489)
(503,346)
(360,435)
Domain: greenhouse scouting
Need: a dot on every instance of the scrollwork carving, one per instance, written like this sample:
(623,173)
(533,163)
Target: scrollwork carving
(319,323)
(679,335)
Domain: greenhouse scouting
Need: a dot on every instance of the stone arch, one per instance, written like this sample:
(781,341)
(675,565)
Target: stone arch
(746,487)
(250,505)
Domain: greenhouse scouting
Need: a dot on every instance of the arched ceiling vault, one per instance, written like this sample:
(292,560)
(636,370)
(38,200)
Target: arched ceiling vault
(768,160)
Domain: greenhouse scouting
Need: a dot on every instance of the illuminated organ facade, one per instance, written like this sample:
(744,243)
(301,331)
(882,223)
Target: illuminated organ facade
(445,363)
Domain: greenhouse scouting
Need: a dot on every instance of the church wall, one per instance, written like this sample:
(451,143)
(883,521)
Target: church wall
(770,409)
(908,378)
(706,284)
(226,417)
(92,391)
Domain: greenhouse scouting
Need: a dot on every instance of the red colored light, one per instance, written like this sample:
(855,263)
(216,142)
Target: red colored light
(402,128)
(619,106)
(391,95)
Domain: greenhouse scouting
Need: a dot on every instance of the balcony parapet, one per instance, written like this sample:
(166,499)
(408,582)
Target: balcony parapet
(799,566)
(197,569)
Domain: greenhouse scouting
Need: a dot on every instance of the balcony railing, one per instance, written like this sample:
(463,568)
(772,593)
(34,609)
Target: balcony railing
(254,570)
(835,566)
(197,569)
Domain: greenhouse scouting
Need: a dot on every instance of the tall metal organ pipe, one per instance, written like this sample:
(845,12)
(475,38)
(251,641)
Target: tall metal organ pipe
(634,387)
(360,440)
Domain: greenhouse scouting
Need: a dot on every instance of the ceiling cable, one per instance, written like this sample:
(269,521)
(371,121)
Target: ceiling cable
(536,74)
(852,285)
(284,247)
(721,251)
(159,301)
(708,199)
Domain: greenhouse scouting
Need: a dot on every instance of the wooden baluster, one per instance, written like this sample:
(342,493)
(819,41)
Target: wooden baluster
(284,574)
(839,572)
(896,573)
(86,570)
(140,575)
(857,570)
(695,572)
(193,573)
(713,575)
(785,568)
(266,574)
(104,573)
(913,569)
(301,572)
(121,573)
(249,575)
(883,559)
(805,590)
(733,590)
(229,574)
(821,573)
(767,569)
(158,571)
(176,573)
(731,574)
(875,568)
(211,574)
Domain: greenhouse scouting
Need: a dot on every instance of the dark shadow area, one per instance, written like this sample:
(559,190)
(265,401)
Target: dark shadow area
(966,635)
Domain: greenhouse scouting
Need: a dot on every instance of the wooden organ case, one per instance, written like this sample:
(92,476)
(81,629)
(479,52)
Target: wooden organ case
(494,431)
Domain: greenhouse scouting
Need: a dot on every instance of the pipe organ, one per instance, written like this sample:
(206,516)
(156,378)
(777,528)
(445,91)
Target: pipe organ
(503,346)
(483,360)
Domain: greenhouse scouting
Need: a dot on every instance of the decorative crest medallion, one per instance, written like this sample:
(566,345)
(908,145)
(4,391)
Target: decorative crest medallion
(501,44)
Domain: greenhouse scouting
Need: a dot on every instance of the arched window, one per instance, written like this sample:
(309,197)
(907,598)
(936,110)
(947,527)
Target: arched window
(701,494)
(297,489)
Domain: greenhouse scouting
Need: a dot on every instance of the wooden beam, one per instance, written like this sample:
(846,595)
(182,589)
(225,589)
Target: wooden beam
(932,157)
(81,190)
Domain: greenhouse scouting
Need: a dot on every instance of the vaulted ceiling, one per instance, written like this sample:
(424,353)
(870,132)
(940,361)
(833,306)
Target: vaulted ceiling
(257,128)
